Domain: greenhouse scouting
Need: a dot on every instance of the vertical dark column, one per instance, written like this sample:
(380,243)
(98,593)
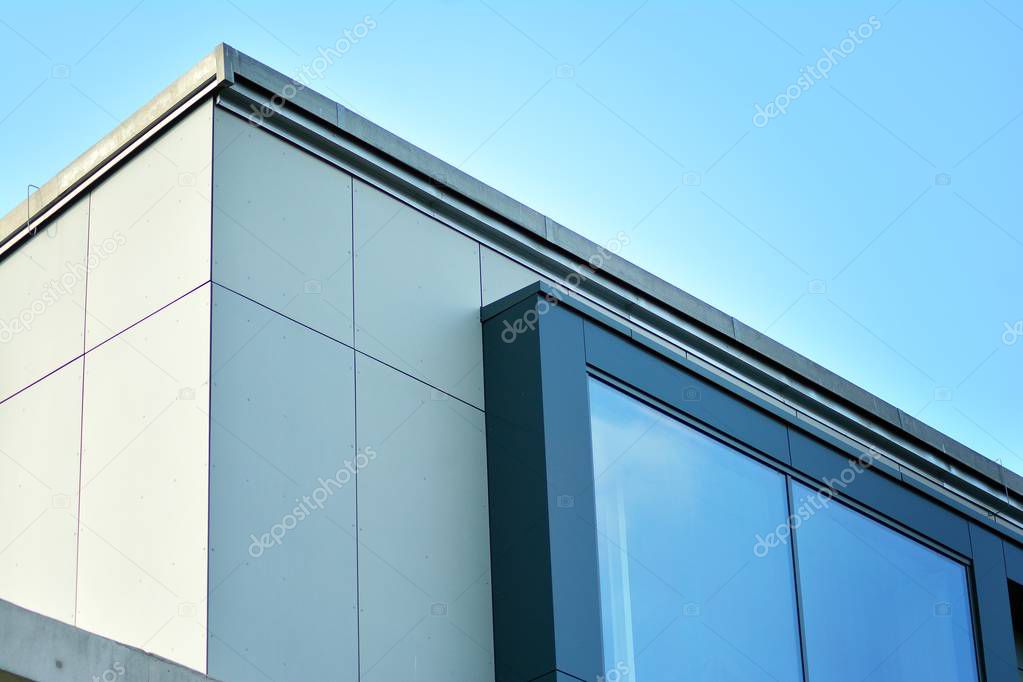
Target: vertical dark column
(993,610)
(542,515)
(1013,561)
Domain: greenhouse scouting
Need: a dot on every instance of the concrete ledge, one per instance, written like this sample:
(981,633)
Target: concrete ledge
(209,69)
(47,650)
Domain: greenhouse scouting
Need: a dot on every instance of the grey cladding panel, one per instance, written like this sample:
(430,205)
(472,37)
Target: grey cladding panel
(282,593)
(424,553)
(282,226)
(502,276)
(417,288)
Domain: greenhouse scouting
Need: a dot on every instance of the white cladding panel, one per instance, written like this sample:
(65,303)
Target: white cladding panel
(424,555)
(40,430)
(150,228)
(145,460)
(42,300)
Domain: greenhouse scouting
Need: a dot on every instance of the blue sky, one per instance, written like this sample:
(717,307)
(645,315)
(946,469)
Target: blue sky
(874,225)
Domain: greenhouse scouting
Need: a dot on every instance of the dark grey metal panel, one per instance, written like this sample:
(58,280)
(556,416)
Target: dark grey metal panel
(517,480)
(994,617)
(932,490)
(543,533)
(1013,562)
(685,391)
(879,492)
(570,494)
(559,677)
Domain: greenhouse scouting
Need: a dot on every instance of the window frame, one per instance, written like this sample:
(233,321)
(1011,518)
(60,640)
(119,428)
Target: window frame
(541,346)
(738,449)
(791,476)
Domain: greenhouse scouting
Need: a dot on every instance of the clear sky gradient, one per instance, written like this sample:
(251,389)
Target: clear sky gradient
(868,216)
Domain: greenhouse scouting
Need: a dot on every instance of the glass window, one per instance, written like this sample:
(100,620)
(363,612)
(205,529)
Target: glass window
(684,593)
(877,605)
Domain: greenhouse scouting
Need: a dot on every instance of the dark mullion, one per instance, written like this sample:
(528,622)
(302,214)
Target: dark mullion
(794,554)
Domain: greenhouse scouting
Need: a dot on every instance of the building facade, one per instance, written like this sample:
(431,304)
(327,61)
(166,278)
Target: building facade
(284,397)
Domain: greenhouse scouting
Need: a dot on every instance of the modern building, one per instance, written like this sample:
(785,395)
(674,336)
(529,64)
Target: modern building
(283,397)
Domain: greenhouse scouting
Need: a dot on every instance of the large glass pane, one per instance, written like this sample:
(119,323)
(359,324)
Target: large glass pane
(684,594)
(877,605)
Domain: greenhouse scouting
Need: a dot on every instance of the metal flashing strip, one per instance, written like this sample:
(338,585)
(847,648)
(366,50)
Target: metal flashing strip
(666,314)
